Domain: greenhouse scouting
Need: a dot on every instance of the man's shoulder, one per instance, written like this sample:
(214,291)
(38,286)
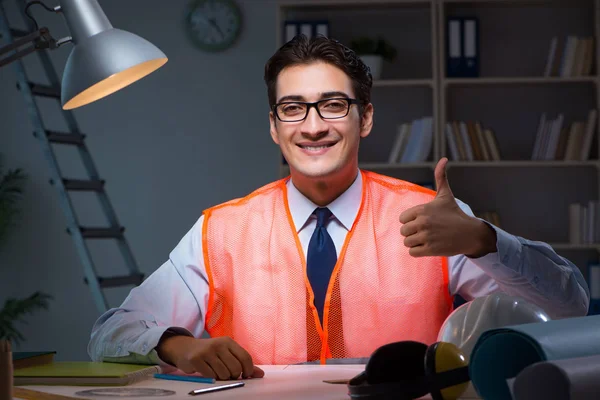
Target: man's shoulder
(254,196)
(396,185)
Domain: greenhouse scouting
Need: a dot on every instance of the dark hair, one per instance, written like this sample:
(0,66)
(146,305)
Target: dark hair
(301,50)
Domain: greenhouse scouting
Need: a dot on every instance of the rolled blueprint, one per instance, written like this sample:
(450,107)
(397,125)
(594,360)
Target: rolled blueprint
(502,353)
(567,379)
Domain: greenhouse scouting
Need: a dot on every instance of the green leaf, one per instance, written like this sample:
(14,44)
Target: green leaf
(11,194)
(15,309)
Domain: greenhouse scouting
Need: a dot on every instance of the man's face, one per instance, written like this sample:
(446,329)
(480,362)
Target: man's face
(316,147)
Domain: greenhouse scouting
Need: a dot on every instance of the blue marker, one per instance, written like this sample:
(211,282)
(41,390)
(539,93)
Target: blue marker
(197,379)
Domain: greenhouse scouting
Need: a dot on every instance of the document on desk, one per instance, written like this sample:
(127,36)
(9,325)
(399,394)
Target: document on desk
(291,382)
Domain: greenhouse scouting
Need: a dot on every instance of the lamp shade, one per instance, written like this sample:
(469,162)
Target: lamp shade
(104,59)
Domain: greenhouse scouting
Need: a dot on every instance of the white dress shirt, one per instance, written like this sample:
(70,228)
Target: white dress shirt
(175,296)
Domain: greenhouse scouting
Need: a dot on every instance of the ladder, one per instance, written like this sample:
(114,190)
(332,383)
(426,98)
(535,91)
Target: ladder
(73,137)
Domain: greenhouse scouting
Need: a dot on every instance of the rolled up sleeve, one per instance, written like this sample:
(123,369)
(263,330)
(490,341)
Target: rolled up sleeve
(174,298)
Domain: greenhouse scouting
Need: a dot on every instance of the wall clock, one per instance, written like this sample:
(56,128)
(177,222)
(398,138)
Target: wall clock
(213,25)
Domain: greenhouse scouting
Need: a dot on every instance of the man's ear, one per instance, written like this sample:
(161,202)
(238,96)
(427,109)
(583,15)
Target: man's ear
(366,122)
(273,127)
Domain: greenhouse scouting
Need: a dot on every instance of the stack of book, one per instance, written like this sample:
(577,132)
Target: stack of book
(469,141)
(593,280)
(570,56)
(413,142)
(584,223)
(24,359)
(556,140)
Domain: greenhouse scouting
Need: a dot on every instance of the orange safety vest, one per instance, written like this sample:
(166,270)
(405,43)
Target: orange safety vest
(260,295)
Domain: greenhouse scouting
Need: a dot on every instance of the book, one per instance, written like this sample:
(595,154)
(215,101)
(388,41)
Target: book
(22,359)
(84,373)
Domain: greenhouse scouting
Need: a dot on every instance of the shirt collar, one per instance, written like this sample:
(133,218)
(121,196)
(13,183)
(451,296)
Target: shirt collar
(344,208)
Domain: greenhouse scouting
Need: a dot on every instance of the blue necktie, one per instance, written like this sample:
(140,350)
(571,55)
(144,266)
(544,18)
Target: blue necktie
(320,259)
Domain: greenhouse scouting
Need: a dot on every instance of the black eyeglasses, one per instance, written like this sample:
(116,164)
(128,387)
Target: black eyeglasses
(294,111)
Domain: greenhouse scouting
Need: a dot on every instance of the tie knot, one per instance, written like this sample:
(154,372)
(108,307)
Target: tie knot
(323,214)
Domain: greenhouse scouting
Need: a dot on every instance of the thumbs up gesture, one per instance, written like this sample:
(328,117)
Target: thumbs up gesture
(442,228)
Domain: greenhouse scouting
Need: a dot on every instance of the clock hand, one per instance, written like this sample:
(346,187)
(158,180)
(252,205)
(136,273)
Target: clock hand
(214,24)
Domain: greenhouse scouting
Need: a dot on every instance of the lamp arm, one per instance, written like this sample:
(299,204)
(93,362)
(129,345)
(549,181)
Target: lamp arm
(37,40)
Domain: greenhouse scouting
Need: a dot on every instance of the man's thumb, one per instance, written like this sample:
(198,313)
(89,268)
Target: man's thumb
(441,179)
(258,373)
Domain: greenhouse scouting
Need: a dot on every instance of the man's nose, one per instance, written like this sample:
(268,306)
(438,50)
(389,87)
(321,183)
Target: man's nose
(313,124)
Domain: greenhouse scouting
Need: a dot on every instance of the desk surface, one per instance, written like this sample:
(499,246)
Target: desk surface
(291,382)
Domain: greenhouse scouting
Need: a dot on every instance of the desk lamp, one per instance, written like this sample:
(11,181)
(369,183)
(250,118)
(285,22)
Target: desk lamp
(103,60)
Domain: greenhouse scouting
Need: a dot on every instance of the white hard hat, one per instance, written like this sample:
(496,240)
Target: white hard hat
(465,324)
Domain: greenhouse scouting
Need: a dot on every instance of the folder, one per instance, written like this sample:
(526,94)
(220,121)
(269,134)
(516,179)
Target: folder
(310,28)
(22,359)
(454,52)
(290,30)
(84,373)
(322,28)
(470,47)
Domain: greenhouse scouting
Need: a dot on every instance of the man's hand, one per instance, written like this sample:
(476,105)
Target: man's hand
(441,228)
(220,358)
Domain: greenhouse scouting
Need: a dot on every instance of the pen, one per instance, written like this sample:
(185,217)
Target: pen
(198,379)
(216,388)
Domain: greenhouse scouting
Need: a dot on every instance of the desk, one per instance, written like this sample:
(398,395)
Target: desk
(281,382)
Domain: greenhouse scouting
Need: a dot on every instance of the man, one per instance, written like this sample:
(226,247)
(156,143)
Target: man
(331,263)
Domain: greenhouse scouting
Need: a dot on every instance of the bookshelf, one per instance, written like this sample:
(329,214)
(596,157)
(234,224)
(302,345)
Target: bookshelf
(508,95)
(403,82)
(517,80)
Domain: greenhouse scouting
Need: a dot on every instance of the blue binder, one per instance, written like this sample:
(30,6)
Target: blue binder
(470,47)
(462,47)
(454,48)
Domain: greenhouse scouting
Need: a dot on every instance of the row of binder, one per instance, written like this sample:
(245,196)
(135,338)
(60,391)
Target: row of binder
(462,47)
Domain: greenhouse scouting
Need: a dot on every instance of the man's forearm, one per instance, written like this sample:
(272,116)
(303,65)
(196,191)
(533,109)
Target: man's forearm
(534,271)
(126,337)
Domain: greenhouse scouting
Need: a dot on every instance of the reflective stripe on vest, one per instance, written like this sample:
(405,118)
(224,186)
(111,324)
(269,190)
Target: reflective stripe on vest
(260,295)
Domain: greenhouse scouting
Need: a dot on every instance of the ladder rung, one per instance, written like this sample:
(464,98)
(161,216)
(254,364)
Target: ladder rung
(80,184)
(44,90)
(65,138)
(19,32)
(102,233)
(115,281)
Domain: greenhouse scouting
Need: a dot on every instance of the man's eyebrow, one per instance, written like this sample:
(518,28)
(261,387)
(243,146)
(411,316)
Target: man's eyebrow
(328,95)
(324,95)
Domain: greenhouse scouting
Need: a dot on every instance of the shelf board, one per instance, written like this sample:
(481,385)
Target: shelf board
(504,2)
(523,163)
(518,80)
(472,164)
(346,3)
(402,82)
(380,166)
(570,246)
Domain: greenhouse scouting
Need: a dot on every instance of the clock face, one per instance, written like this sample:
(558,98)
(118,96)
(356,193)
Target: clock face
(213,25)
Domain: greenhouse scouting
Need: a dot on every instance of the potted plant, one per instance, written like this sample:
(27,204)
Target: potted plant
(11,193)
(372,52)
